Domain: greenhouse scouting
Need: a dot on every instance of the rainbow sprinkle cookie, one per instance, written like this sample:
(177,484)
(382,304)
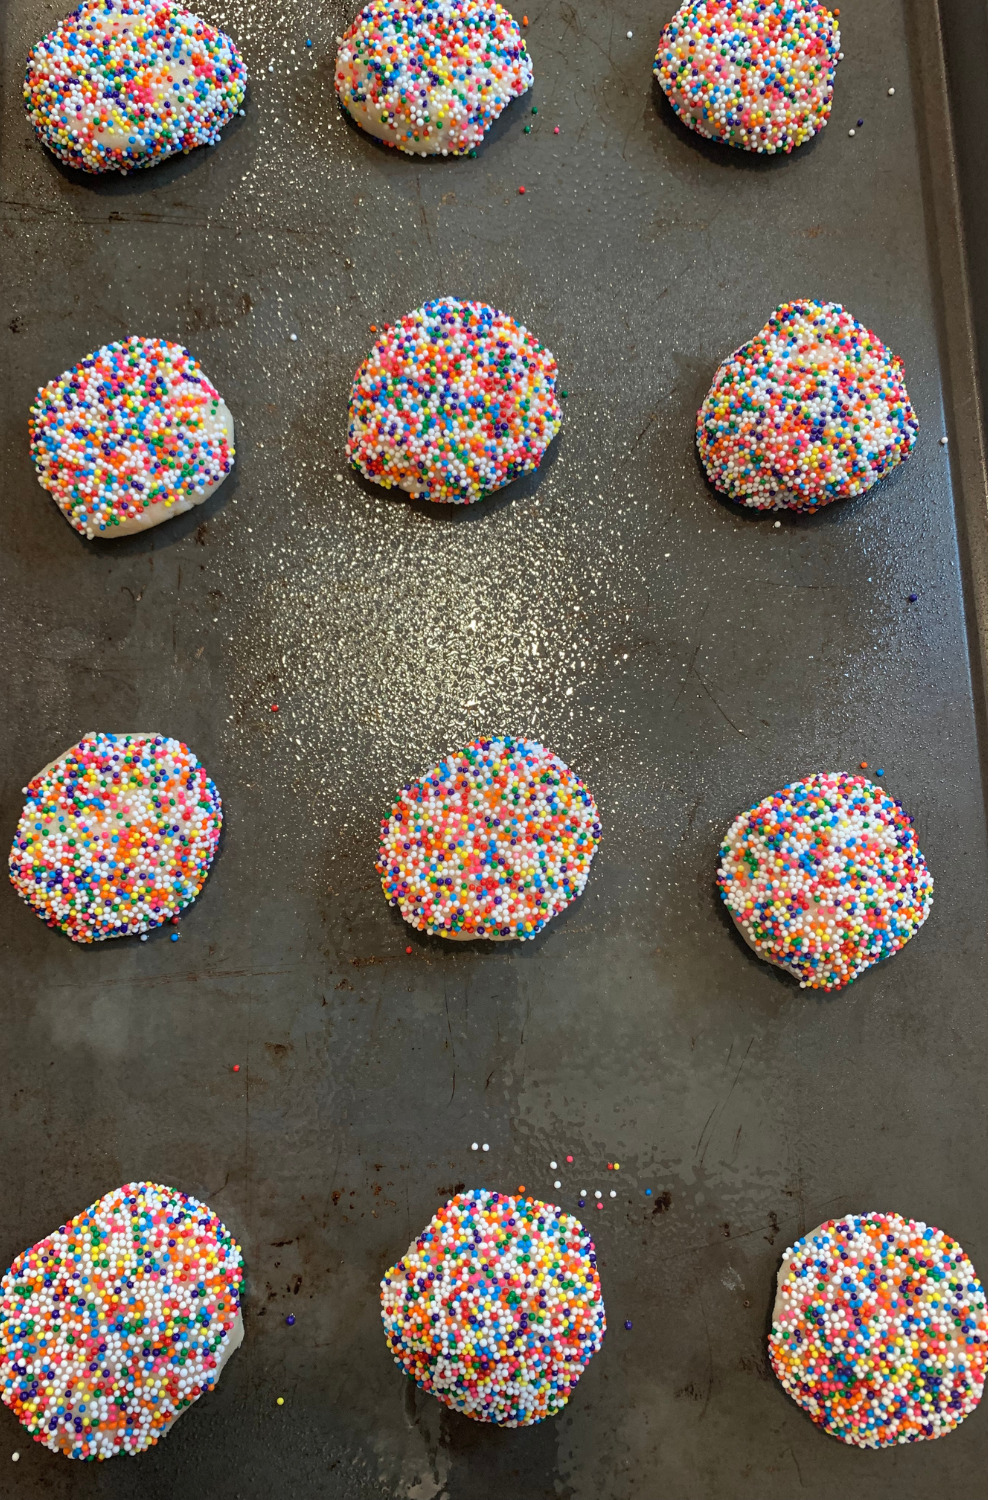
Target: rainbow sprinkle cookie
(814,409)
(825,878)
(454,401)
(496,1308)
(117,836)
(879,1330)
(431,76)
(121,84)
(491,843)
(112,1326)
(132,435)
(757,74)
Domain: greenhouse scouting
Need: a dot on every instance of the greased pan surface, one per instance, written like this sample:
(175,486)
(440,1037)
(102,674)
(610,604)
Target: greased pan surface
(685,658)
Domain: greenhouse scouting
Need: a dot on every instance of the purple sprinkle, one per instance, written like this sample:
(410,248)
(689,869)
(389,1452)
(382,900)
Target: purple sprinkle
(628,1322)
(290,1319)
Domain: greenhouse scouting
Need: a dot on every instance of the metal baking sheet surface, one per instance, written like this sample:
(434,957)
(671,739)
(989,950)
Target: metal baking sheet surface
(684,657)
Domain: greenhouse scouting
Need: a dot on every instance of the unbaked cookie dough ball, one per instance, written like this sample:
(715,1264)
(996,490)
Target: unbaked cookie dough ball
(879,1330)
(431,76)
(132,435)
(757,74)
(112,1326)
(825,878)
(490,843)
(496,1308)
(121,84)
(811,410)
(117,836)
(455,401)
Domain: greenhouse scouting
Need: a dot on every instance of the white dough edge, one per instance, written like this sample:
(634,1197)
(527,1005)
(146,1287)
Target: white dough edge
(785,1269)
(748,938)
(233,1340)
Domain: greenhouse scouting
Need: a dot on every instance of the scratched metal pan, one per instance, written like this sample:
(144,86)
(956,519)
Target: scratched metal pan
(684,657)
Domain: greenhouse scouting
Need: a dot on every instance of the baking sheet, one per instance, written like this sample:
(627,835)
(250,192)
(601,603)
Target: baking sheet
(684,657)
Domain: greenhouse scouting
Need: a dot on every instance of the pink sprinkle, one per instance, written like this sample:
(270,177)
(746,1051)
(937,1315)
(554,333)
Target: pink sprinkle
(555,130)
(569,1158)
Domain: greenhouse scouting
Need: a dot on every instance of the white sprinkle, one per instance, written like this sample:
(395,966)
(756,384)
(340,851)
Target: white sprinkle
(557,1183)
(777,524)
(891,92)
(553,1165)
(628,33)
(943,441)
(486,1146)
(598,1193)
(613,1194)
(14,1457)
(475,1145)
(583,1192)
(295,338)
(852,131)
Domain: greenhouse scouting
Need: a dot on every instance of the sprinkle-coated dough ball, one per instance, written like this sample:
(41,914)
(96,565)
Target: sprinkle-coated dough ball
(112,1326)
(496,1308)
(757,74)
(117,836)
(491,843)
(825,878)
(879,1330)
(431,76)
(454,401)
(132,435)
(121,84)
(814,409)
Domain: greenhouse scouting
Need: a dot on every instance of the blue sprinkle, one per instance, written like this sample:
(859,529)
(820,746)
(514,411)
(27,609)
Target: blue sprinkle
(880,772)
(649,1192)
(308,42)
(174,937)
